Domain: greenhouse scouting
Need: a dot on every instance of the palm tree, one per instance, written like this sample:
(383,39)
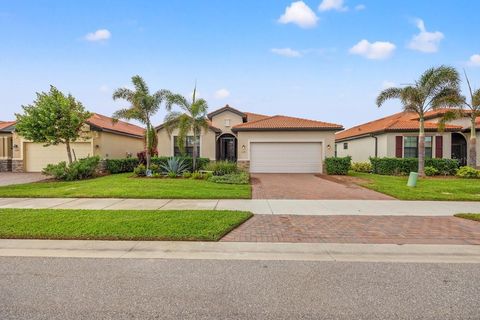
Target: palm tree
(193,118)
(436,88)
(143,106)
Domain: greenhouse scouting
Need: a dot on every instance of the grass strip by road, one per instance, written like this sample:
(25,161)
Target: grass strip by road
(436,188)
(469,216)
(126,186)
(175,225)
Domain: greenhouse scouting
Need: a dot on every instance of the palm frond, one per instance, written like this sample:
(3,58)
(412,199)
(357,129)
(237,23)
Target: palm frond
(140,85)
(476,100)
(387,94)
(171,121)
(127,114)
(123,93)
(447,98)
(178,100)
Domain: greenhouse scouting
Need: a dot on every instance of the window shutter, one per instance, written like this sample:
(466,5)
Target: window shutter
(398,146)
(438,147)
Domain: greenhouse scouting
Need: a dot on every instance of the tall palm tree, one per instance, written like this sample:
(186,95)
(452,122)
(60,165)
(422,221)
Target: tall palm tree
(192,118)
(436,88)
(143,106)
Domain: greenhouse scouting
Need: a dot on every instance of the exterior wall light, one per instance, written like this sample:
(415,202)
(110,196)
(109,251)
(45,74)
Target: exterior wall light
(244,148)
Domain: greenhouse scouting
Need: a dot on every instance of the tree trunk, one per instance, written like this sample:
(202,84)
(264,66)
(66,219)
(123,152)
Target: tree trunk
(194,153)
(147,149)
(69,151)
(421,148)
(472,157)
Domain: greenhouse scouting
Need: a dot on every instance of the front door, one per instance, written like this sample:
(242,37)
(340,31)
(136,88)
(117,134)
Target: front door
(228,150)
(459,148)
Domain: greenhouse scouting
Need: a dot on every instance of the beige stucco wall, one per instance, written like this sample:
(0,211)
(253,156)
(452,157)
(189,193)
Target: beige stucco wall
(246,137)
(218,121)
(115,146)
(207,143)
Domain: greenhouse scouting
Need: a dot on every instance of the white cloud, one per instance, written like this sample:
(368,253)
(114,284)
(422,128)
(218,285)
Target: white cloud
(287,52)
(425,41)
(221,94)
(388,84)
(99,35)
(360,7)
(337,5)
(376,50)
(300,14)
(474,60)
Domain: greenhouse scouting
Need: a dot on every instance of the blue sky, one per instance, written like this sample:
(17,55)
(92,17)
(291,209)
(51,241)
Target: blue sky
(322,61)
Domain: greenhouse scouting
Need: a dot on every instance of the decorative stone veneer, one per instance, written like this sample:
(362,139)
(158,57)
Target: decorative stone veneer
(17,166)
(5,165)
(244,164)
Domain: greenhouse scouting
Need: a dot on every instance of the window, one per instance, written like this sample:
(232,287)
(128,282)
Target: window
(410,147)
(227,122)
(188,147)
(345,145)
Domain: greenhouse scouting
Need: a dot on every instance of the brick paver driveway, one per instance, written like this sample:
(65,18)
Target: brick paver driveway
(8,178)
(308,186)
(357,229)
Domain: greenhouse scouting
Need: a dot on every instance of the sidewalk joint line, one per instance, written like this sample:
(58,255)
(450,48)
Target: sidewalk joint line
(120,200)
(269,206)
(216,204)
(163,205)
(61,204)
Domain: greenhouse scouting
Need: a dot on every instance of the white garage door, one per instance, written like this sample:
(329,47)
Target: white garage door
(37,156)
(286,157)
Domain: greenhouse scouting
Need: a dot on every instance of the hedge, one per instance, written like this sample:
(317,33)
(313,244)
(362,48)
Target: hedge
(121,165)
(201,162)
(403,166)
(336,165)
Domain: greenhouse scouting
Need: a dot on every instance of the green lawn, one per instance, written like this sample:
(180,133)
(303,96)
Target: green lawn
(125,186)
(469,216)
(427,188)
(118,225)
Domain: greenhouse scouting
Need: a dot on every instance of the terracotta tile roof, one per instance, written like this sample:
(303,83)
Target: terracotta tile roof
(255,116)
(6,124)
(286,123)
(402,121)
(106,123)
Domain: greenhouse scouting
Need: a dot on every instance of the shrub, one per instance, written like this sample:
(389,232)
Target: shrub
(220,168)
(362,167)
(468,173)
(231,178)
(142,156)
(403,166)
(187,175)
(172,174)
(198,175)
(121,165)
(201,162)
(174,166)
(77,170)
(140,170)
(431,171)
(336,165)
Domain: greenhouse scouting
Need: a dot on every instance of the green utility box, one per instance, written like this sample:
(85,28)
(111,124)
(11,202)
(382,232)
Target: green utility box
(412,179)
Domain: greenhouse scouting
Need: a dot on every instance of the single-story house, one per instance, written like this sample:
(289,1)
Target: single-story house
(259,143)
(103,138)
(6,145)
(397,136)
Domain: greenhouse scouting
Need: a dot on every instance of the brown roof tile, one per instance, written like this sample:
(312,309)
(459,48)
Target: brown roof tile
(286,123)
(107,123)
(6,124)
(255,116)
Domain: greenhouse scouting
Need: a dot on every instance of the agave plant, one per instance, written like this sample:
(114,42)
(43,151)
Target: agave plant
(174,166)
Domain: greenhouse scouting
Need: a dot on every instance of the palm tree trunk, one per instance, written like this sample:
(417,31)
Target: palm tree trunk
(421,148)
(194,153)
(147,149)
(472,157)
(69,151)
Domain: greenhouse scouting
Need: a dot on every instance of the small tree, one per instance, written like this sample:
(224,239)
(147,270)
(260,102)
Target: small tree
(436,88)
(143,106)
(53,118)
(193,118)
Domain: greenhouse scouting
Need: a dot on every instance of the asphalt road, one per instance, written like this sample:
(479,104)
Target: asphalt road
(72,288)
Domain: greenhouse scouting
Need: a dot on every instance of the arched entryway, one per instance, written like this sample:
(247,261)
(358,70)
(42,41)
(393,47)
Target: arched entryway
(227,147)
(459,148)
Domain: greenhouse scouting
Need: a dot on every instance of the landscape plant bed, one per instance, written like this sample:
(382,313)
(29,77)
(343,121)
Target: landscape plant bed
(469,216)
(434,188)
(175,225)
(123,186)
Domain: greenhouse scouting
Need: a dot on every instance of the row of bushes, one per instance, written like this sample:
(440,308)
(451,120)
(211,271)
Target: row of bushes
(403,166)
(77,170)
(129,164)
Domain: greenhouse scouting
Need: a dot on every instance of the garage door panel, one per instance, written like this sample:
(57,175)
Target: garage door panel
(286,157)
(38,157)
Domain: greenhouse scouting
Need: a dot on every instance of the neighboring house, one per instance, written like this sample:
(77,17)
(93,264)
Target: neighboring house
(102,138)
(397,136)
(259,143)
(6,145)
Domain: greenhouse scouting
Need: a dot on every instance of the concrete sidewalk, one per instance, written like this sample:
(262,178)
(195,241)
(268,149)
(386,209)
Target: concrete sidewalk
(300,207)
(241,251)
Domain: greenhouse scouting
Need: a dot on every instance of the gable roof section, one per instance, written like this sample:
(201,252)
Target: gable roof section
(226,108)
(255,116)
(280,123)
(398,122)
(7,126)
(104,123)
